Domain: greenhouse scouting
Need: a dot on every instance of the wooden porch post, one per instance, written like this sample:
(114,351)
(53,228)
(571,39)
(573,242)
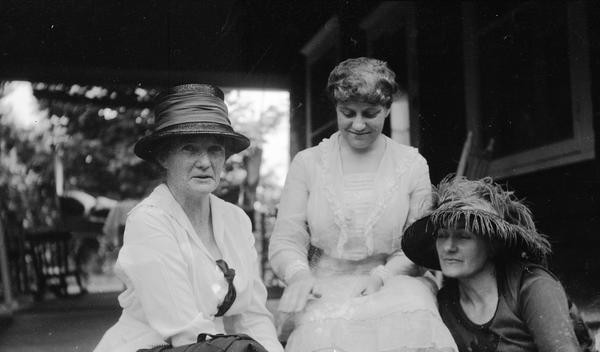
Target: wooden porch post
(4,272)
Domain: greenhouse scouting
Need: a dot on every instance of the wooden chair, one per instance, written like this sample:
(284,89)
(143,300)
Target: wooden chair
(14,244)
(474,164)
(52,254)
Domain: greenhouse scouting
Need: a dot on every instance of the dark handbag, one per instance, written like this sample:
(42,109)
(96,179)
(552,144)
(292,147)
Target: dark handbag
(582,331)
(214,343)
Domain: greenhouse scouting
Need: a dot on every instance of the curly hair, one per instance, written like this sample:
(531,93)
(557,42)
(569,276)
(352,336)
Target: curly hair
(362,79)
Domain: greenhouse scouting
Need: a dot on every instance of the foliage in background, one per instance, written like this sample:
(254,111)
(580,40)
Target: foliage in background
(26,159)
(257,118)
(102,124)
(93,130)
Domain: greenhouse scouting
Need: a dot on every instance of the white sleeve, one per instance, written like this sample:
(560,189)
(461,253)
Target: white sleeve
(420,191)
(152,260)
(419,204)
(288,248)
(256,321)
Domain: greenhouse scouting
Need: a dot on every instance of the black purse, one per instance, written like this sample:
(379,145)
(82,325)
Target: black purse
(215,343)
(584,336)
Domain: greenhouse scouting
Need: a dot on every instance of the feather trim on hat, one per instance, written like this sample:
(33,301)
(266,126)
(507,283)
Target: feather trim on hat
(484,208)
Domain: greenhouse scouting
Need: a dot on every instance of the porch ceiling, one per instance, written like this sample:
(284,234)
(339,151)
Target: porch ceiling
(156,40)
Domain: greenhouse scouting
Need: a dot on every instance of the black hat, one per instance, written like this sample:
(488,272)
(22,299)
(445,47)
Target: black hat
(190,109)
(483,208)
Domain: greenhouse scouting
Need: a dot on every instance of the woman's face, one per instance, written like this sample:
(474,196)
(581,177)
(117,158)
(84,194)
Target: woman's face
(360,123)
(194,164)
(462,254)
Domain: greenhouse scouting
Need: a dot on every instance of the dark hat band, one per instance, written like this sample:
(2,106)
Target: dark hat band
(186,107)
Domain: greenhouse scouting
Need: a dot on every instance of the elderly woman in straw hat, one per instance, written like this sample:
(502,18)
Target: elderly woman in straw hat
(497,294)
(188,259)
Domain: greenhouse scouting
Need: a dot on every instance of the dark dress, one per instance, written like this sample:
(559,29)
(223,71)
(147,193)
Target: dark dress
(532,315)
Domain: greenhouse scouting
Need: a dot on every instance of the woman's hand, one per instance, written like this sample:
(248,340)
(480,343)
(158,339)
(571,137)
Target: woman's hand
(367,286)
(302,287)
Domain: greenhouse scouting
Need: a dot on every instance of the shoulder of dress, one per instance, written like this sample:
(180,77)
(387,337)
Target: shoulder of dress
(157,201)
(521,270)
(157,210)
(148,221)
(403,149)
(536,273)
(307,159)
(147,208)
(406,157)
(307,154)
(519,277)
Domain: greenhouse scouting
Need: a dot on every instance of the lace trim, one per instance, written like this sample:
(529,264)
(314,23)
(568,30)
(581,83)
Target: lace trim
(327,182)
(386,196)
(327,147)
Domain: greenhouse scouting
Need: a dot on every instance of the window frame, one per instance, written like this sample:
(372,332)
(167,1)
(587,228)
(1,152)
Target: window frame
(580,146)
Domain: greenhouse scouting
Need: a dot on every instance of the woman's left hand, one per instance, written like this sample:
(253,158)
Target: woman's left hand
(367,286)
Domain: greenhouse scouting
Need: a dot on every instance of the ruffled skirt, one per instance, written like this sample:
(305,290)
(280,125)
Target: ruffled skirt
(401,317)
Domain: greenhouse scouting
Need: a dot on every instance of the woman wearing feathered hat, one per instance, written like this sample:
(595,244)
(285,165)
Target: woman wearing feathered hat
(188,259)
(497,294)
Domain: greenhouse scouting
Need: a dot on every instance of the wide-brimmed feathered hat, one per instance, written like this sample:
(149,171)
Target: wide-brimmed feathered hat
(190,109)
(483,208)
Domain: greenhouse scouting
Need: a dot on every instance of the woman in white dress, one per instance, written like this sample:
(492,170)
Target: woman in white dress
(182,243)
(349,200)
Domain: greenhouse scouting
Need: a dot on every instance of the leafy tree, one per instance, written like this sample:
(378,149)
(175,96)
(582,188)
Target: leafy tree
(26,159)
(92,130)
(257,119)
(102,126)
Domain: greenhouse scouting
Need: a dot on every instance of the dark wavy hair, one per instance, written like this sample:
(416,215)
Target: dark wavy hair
(362,79)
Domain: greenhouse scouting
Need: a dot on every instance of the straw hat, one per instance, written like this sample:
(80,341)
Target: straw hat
(190,109)
(483,208)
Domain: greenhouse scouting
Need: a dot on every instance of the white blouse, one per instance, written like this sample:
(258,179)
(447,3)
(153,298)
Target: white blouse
(359,196)
(173,285)
(317,206)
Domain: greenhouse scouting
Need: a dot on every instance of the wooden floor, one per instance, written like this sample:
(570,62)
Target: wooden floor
(77,323)
(67,324)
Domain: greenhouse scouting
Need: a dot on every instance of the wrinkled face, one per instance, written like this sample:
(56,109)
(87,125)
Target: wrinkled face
(360,123)
(462,254)
(193,165)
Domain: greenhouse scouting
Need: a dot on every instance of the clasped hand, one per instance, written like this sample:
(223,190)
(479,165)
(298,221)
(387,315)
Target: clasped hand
(305,286)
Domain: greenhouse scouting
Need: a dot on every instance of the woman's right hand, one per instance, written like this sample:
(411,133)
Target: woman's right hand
(302,287)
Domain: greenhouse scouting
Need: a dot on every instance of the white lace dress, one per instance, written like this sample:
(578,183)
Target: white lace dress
(356,222)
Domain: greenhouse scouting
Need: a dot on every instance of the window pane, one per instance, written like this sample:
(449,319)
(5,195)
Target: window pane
(524,72)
